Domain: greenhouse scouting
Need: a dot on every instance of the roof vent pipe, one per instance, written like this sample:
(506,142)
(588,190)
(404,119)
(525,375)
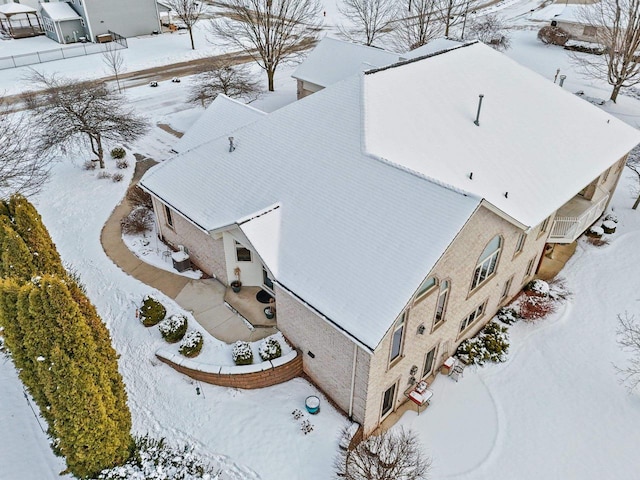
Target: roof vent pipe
(562,77)
(477,120)
(232,147)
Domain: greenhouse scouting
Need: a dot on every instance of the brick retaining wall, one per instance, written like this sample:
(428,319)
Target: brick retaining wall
(261,379)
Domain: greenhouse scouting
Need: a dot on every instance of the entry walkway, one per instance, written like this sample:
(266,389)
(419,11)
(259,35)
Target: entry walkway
(203,298)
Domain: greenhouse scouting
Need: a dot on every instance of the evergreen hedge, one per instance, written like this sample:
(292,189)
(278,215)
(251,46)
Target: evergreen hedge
(60,347)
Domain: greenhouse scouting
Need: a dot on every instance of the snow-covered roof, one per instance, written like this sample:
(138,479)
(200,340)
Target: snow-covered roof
(323,187)
(436,45)
(537,144)
(339,211)
(221,117)
(9,9)
(59,11)
(333,60)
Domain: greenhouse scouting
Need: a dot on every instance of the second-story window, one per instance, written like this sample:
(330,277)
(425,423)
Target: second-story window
(487,263)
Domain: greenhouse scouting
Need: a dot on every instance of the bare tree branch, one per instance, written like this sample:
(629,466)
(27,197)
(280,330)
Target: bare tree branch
(490,29)
(454,12)
(189,12)
(112,58)
(22,169)
(269,31)
(392,455)
(421,25)
(70,113)
(222,76)
(629,339)
(617,27)
(368,19)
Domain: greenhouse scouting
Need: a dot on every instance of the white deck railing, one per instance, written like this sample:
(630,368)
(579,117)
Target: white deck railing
(567,229)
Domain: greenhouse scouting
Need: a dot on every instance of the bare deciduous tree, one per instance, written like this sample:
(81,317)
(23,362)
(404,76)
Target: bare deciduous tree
(222,76)
(633,163)
(22,169)
(490,29)
(368,19)
(453,12)
(189,12)
(270,32)
(69,112)
(112,58)
(419,26)
(629,340)
(392,455)
(617,27)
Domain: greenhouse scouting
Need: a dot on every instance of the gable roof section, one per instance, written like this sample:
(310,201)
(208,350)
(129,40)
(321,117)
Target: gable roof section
(59,11)
(536,142)
(356,234)
(436,45)
(333,60)
(223,116)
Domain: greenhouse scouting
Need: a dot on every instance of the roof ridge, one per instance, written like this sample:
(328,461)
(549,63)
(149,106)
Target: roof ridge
(421,57)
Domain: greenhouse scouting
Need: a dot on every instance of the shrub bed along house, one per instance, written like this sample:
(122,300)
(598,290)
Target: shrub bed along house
(173,328)
(269,349)
(191,344)
(242,353)
(151,311)
(490,345)
(508,315)
(139,220)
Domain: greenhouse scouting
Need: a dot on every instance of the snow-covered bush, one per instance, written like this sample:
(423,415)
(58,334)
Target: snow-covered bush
(155,460)
(118,153)
(242,353)
(122,164)
(558,289)
(595,232)
(191,344)
(553,35)
(151,311)
(508,315)
(269,349)
(117,177)
(609,226)
(89,165)
(139,220)
(490,345)
(102,175)
(611,217)
(537,287)
(138,197)
(533,307)
(173,328)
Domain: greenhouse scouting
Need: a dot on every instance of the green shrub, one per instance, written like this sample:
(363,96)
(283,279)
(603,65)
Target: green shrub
(173,328)
(242,353)
(539,288)
(269,349)
(118,153)
(508,315)
(191,344)
(151,311)
(490,345)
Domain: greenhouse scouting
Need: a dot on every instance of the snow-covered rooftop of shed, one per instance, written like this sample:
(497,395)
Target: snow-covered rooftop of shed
(15,8)
(339,212)
(333,60)
(59,11)
(221,117)
(537,144)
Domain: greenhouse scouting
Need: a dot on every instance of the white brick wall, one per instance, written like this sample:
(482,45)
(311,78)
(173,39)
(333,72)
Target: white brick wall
(205,252)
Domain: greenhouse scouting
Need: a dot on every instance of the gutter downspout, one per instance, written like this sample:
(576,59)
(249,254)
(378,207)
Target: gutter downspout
(353,379)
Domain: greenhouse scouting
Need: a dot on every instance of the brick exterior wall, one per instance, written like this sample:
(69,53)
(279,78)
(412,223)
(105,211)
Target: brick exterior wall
(457,266)
(332,365)
(206,252)
(265,378)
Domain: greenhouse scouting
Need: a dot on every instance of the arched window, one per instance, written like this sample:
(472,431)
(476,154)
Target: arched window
(488,262)
(427,285)
(441,306)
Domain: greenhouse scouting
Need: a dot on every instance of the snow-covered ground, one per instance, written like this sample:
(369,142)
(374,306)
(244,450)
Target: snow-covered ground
(553,410)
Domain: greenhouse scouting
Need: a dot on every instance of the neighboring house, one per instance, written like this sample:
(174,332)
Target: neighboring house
(99,17)
(572,19)
(62,23)
(387,225)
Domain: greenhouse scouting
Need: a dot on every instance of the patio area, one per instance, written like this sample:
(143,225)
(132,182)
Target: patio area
(246,304)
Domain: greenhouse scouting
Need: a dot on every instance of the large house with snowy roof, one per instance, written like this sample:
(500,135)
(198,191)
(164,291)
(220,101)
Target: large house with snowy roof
(387,214)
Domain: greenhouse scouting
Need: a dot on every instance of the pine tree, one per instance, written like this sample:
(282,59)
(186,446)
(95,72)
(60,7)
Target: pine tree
(28,224)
